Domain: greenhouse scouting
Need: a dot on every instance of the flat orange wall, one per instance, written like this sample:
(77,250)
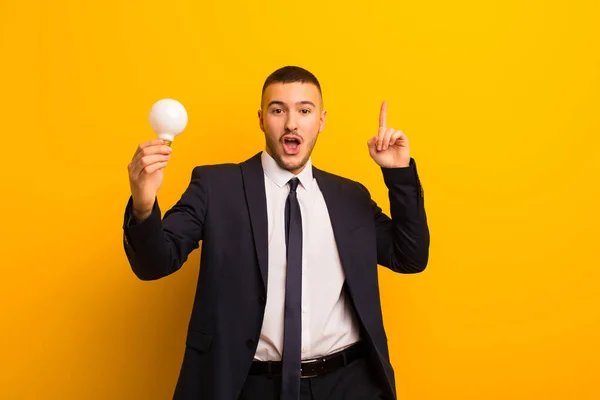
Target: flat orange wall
(499,98)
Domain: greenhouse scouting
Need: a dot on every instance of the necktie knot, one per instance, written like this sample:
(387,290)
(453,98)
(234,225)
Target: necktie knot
(293,184)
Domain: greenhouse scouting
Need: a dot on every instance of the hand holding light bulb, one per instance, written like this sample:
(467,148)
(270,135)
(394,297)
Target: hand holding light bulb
(168,118)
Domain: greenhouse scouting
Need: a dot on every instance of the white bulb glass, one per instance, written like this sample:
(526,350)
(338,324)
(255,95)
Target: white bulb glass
(168,118)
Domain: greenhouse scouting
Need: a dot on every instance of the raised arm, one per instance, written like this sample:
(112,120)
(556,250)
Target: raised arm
(402,240)
(157,246)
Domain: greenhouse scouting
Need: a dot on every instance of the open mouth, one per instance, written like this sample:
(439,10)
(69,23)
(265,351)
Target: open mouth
(291,144)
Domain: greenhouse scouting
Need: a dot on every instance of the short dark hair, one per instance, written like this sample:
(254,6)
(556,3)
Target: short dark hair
(291,74)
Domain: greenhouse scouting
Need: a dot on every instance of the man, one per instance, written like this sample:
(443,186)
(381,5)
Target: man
(287,303)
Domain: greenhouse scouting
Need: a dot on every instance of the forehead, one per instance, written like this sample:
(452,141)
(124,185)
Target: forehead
(292,92)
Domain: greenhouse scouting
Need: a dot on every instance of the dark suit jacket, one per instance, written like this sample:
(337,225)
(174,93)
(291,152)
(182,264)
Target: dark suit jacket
(224,206)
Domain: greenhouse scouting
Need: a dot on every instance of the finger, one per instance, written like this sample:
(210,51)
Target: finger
(397,137)
(372,142)
(372,145)
(383,138)
(149,143)
(148,161)
(151,150)
(400,142)
(383,115)
(150,169)
(387,137)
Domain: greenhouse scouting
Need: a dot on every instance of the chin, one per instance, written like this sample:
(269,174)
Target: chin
(292,163)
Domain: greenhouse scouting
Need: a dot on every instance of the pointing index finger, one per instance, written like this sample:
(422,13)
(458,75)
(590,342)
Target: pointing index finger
(383,115)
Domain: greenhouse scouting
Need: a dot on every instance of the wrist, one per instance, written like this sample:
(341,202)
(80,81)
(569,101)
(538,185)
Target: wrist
(141,211)
(140,215)
(396,165)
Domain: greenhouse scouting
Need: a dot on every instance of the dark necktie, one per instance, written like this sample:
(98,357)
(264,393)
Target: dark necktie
(292,327)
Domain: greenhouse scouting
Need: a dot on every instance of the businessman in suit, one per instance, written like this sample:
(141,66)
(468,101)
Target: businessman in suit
(287,303)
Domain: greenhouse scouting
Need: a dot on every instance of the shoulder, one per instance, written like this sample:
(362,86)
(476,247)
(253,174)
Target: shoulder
(215,170)
(340,182)
(223,171)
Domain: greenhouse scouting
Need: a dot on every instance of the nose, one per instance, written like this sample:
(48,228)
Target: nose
(290,123)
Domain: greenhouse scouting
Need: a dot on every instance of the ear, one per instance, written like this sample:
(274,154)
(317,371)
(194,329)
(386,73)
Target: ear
(260,121)
(322,120)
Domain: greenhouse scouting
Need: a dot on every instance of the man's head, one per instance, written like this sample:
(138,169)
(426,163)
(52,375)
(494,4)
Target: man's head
(291,116)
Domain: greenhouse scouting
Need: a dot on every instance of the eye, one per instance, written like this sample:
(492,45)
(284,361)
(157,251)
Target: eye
(305,111)
(276,110)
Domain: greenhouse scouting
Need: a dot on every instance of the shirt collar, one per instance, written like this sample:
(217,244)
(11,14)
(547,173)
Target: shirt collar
(281,176)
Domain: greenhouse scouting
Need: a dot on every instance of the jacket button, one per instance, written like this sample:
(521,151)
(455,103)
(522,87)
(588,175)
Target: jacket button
(262,300)
(250,343)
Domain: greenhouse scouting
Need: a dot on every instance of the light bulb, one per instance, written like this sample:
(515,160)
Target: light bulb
(168,119)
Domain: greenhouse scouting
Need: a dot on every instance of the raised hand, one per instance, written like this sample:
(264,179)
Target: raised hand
(389,149)
(146,171)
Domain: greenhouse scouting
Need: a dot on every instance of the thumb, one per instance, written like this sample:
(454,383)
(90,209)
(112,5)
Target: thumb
(372,146)
(372,142)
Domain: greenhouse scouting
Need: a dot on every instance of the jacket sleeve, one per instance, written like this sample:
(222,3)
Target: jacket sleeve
(158,247)
(403,239)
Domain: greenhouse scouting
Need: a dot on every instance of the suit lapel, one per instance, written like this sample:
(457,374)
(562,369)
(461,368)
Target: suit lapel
(333,193)
(254,188)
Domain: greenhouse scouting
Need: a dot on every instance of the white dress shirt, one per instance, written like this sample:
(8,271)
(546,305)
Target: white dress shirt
(328,320)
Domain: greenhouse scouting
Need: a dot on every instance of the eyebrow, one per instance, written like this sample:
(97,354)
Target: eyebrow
(281,103)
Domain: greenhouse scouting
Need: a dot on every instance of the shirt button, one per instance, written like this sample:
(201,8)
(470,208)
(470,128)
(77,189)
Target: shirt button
(304,349)
(304,310)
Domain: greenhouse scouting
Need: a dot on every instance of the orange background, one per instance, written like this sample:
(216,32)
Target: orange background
(500,100)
